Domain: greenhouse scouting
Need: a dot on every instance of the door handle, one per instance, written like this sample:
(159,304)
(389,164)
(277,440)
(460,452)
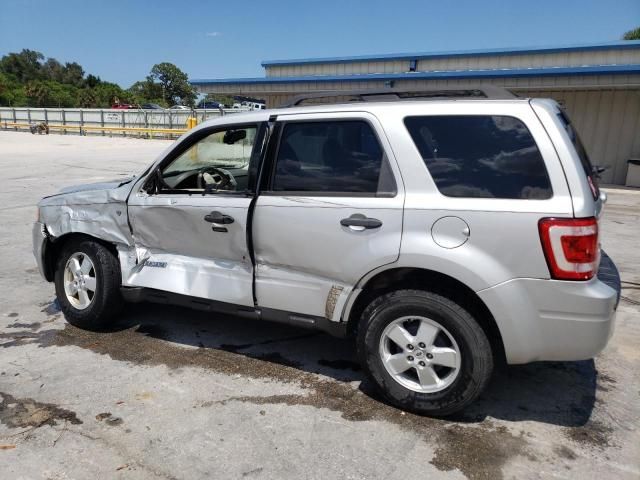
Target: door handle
(217,217)
(359,222)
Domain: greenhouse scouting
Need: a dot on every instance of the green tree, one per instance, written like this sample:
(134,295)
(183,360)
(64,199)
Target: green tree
(107,92)
(146,91)
(53,70)
(38,93)
(174,84)
(87,98)
(24,66)
(73,74)
(11,92)
(64,95)
(28,79)
(92,81)
(46,93)
(632,34)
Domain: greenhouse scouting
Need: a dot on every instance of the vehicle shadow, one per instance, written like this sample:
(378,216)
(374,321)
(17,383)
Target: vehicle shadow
(559,393)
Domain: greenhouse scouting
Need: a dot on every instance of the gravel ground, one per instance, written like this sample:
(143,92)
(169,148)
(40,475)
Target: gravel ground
(174,393)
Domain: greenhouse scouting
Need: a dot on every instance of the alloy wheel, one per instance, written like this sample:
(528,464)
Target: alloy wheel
(420,354)
(80,280)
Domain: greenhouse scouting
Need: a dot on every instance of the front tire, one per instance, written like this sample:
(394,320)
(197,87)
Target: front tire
(87,281)
(424,352)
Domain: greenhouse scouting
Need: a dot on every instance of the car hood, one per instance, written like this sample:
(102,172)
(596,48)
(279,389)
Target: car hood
(91,193)
(106,185)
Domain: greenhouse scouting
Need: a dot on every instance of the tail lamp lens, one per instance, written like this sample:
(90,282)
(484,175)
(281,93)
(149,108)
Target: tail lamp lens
(571,247)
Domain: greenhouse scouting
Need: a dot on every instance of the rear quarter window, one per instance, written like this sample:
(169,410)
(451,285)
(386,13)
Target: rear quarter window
(481,156)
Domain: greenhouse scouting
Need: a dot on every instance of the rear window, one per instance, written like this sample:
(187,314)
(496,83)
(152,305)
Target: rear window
(582,153)
(481,156)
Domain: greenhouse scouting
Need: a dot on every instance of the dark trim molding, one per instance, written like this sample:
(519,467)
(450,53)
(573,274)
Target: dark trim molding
(141,294)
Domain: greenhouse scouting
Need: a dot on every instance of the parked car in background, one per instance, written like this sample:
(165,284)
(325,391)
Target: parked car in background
(179,107)
(151,106)
(254,105)
(123,106)
(443,231)
(205,105)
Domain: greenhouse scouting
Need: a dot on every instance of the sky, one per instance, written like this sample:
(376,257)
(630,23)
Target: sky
(120,40)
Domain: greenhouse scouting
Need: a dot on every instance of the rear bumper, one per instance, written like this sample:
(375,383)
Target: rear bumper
(555,320)
(609,275)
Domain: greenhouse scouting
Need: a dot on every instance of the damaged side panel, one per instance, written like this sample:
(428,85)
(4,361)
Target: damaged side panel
(101,213)
(178,251)
(283,288)
(196,277)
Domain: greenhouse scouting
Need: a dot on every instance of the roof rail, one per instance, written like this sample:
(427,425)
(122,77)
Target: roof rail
(393,94)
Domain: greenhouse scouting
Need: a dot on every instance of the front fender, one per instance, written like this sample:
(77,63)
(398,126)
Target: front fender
(106,222)
(100,213)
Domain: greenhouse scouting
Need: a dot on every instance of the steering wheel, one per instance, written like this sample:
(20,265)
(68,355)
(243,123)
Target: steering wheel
(216,178)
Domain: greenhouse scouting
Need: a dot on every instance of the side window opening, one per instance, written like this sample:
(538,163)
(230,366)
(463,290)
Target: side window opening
(332,157)
(218,162)
(481,156)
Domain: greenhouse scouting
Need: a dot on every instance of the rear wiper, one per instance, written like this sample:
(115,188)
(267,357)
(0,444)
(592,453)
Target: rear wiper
(597,170)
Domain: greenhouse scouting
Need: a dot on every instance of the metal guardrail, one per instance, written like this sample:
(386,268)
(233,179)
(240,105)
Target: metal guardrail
(83,130)
(91,121)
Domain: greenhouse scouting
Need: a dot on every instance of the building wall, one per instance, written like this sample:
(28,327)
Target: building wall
(608,122)
(481,62)
(278,92)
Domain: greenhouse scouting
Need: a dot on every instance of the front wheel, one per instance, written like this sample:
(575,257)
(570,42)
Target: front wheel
(87,283)
(425,353)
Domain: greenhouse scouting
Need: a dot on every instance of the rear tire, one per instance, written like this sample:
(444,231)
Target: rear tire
(87,281)
(424,352)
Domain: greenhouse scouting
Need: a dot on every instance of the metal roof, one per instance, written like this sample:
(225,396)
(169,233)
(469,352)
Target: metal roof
(617,45)
(446,74)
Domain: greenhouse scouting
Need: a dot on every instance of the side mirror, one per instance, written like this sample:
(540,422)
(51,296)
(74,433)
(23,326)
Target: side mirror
(233,136)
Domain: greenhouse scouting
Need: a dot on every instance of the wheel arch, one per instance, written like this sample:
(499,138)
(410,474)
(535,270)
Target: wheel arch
(424,279)
(55,245)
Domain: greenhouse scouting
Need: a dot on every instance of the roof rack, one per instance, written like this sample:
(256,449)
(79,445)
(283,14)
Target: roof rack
(393,94)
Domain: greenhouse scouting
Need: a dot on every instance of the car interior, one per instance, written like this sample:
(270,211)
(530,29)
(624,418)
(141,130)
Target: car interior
(218,162)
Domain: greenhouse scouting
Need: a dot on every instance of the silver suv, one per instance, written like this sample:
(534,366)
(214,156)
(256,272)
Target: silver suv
(444,231)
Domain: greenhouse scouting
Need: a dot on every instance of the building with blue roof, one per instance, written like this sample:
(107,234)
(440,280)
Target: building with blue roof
(599,85)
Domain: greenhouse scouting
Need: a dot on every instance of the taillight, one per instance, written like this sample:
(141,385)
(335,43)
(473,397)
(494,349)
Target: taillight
(571,247)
